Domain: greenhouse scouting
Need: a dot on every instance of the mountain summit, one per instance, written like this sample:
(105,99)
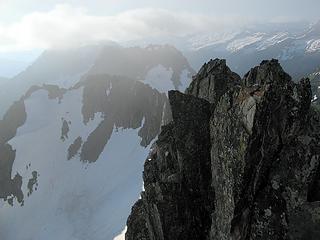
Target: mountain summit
(240,160)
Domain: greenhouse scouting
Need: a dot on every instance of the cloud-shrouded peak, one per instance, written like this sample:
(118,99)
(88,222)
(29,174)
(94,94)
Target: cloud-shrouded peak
(66,26)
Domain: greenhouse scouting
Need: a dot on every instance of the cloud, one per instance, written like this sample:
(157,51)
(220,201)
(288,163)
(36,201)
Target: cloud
(66,26)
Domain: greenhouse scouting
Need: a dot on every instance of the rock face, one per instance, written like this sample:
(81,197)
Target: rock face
(240,160)
(212,81)
(123,103)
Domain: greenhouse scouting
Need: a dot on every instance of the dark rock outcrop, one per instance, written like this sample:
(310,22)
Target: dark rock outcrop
(74,147)
(212,81)
(33,182)
(239,161)
(64,130)
(10,188)
(122,103)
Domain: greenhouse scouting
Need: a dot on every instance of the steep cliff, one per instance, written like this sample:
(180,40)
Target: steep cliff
(240,160)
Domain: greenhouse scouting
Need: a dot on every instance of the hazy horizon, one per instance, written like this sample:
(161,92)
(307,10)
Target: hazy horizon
(30,25)
(28,28)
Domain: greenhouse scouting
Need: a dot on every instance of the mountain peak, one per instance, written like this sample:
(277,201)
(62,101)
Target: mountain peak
(249,169)
(213,80)
(269,71)
(214,66)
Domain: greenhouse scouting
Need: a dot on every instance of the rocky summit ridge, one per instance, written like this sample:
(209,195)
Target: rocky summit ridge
(239,161)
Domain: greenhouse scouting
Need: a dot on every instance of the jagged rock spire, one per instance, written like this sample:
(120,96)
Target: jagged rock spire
(213,80)
(268,72)
(245,169)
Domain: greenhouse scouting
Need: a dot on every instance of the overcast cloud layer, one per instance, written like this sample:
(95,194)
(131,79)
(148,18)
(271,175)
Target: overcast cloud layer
(66,26)
(34,24)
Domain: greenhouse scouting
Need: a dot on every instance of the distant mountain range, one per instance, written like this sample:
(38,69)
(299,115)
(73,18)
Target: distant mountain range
(297,46)
(294,44)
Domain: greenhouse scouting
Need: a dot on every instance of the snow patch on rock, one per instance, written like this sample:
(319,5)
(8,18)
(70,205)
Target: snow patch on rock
(73,200)
(122,235)
(160,78)
(240,43)
(273,40)
(313,45)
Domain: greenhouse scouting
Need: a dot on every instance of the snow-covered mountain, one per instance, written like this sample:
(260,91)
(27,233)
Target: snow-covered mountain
(297,46)
(59,67)
(72,146)
(163,62)
(65,67)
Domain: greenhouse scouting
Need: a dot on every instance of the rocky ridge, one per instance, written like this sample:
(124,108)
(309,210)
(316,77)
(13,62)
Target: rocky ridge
(240,160)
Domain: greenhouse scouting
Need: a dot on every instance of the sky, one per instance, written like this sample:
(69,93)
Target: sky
(27,25)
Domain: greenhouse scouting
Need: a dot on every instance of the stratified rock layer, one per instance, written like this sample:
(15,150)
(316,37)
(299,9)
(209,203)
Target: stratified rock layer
(239,161)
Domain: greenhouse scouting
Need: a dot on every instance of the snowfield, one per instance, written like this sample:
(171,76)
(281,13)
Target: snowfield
(241,43)
(313,45)
(73,200)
